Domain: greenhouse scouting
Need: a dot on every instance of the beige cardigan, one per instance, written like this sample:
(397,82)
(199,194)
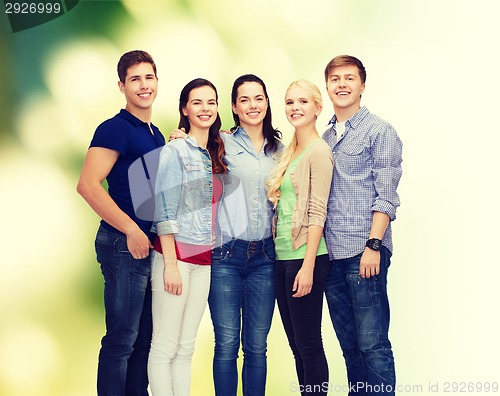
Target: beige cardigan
(311,181)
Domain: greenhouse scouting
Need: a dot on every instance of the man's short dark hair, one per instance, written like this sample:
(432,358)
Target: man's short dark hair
(133,58)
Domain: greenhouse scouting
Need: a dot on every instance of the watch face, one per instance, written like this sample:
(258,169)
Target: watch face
(374,244)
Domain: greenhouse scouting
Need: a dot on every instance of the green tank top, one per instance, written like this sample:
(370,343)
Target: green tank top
(283,241)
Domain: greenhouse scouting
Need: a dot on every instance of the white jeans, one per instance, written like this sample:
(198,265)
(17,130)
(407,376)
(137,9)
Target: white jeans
(175,323)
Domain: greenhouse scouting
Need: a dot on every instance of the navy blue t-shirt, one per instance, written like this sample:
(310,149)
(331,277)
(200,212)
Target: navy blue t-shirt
(132,138)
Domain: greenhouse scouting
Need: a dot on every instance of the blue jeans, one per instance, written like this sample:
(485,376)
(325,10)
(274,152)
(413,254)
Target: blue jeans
(359,309)
(125,347)
(241,302)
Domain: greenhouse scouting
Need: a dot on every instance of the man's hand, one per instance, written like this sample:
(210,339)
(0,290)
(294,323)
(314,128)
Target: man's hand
(370,263)
(138,244)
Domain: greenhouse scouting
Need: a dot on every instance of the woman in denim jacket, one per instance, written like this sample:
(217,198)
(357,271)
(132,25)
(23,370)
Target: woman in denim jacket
(242,295)
(299,187)
(186,192)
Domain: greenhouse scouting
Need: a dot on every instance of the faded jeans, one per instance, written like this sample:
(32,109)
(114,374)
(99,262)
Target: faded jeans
(359,309)
(241,304)
(123,357)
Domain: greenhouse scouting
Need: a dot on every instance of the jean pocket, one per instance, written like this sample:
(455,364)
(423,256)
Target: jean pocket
(106,240)
(106,251)
(269,255)
(108,258)
(364,291)
(142,267)
(220,254)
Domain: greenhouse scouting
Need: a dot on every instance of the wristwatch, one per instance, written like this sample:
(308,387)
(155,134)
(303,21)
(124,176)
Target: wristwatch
(374,244)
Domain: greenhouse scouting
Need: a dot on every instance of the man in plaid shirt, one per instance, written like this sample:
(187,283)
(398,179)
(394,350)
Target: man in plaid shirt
(362,204)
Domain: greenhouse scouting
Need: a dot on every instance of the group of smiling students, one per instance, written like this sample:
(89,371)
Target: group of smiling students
(239,222)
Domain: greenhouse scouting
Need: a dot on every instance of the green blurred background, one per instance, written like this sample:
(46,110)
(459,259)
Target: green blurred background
(431,72)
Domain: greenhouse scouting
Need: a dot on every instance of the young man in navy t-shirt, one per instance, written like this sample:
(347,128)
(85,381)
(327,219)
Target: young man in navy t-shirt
(123,241)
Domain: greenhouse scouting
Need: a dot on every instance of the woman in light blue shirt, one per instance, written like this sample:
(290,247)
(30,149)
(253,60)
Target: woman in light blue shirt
(242,296)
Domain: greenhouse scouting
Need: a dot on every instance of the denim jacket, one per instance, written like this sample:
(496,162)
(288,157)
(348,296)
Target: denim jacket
(183,192)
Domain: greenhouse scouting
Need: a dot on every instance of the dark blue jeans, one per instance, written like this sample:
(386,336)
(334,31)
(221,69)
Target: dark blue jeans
(359,309)
(125,347)
(301,319)
(241,302)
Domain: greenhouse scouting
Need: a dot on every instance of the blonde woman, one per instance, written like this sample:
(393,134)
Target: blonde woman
(299,188)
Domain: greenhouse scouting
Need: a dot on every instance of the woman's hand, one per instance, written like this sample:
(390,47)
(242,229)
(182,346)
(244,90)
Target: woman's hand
(181,133)
(303,283)
(172,280)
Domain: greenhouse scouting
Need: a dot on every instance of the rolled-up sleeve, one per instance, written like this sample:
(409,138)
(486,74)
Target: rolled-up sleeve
(168,190)
(387,171)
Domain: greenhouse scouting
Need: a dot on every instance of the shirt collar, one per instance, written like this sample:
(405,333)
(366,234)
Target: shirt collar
(355,119)
(125,114)
(241,131)
(192,142)
(333,120)
(131,118)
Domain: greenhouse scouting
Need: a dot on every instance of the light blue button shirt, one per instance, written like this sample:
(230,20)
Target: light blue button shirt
(246,213)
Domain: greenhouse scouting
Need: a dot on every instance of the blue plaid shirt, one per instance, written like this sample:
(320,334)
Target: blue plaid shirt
(366,173)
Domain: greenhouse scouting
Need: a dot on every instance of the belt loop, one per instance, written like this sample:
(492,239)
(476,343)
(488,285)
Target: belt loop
(232,242)
(269,242)
(264,245)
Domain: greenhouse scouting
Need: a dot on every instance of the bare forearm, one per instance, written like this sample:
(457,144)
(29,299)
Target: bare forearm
(370,260)
(172,280)
(313,238)
(100,201)
(167,242)
(96,167)
(304,279)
